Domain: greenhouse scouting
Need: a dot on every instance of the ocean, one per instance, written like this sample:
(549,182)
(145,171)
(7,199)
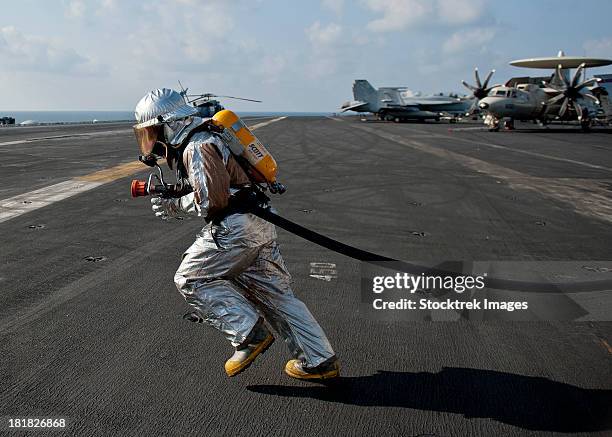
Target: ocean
(90,116)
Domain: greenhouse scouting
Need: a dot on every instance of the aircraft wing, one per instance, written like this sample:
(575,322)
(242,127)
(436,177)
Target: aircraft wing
(353,106)
(434,103)
(449,105)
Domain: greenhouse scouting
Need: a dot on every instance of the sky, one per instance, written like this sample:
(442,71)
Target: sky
(294,55)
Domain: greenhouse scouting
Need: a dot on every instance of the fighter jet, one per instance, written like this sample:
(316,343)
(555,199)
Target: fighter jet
(401,104)
(561,96)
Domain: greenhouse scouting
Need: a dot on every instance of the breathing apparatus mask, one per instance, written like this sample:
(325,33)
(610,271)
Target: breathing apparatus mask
(162,139)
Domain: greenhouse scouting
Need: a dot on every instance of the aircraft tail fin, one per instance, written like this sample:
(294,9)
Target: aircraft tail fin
(363,91)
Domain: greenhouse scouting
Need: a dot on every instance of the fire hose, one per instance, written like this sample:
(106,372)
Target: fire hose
(254,201)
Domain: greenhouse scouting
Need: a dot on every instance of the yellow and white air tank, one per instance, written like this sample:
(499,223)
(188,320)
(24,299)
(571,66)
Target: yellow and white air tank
(242,142)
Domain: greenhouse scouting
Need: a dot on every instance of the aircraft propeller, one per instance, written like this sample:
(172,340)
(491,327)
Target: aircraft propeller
(481,89)
(570,92)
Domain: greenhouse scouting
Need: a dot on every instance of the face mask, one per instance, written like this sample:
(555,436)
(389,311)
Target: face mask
(147,137)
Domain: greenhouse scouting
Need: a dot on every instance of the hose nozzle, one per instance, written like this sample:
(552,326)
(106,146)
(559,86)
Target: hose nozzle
(139,188)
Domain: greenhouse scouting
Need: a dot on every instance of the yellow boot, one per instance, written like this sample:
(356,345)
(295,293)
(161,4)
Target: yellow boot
(246,353)
(329,369)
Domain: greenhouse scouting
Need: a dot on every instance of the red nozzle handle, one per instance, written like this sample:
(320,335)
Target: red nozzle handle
(139,188)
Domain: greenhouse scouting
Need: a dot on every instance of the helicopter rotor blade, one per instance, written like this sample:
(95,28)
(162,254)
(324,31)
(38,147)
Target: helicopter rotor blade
(209,95)
(240,98)
(184,91)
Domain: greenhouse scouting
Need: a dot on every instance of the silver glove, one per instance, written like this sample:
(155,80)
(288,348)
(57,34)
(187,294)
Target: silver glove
(174,207)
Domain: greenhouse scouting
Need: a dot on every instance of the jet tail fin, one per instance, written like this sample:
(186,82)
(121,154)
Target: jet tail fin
(363,91)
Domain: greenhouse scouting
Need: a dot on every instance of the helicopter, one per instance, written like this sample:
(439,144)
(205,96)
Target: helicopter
(207,103)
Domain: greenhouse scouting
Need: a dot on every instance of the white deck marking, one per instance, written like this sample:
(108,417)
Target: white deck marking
(510,149)
(22,203)
(586,196)
(456,129)
(56,137)
(539,155)
(323,271)
(32,200)
(261,117)
(265,123)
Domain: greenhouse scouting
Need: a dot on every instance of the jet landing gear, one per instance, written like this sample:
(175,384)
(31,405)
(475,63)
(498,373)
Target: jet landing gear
(394,119)
(492,122)
(585,120)
(383,116)
(585,125)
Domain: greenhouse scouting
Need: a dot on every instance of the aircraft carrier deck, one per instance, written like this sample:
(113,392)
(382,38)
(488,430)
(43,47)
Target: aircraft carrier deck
(91,326)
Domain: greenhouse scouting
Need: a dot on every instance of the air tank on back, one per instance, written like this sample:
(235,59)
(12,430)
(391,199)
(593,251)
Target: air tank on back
(243,143)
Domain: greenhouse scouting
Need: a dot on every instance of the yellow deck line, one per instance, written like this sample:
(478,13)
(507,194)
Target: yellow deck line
(113,173)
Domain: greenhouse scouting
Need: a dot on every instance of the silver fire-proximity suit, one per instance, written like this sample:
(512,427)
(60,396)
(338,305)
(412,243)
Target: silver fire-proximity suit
(233,274)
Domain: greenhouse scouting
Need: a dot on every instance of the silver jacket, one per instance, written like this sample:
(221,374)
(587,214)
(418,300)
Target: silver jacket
(234,273)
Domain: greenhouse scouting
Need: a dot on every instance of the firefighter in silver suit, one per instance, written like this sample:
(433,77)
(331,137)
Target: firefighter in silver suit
(233,275)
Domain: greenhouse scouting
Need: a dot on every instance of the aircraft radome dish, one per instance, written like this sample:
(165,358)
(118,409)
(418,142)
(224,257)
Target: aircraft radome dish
(565,61)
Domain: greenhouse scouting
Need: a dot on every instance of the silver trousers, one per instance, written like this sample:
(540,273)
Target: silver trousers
(232,278)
